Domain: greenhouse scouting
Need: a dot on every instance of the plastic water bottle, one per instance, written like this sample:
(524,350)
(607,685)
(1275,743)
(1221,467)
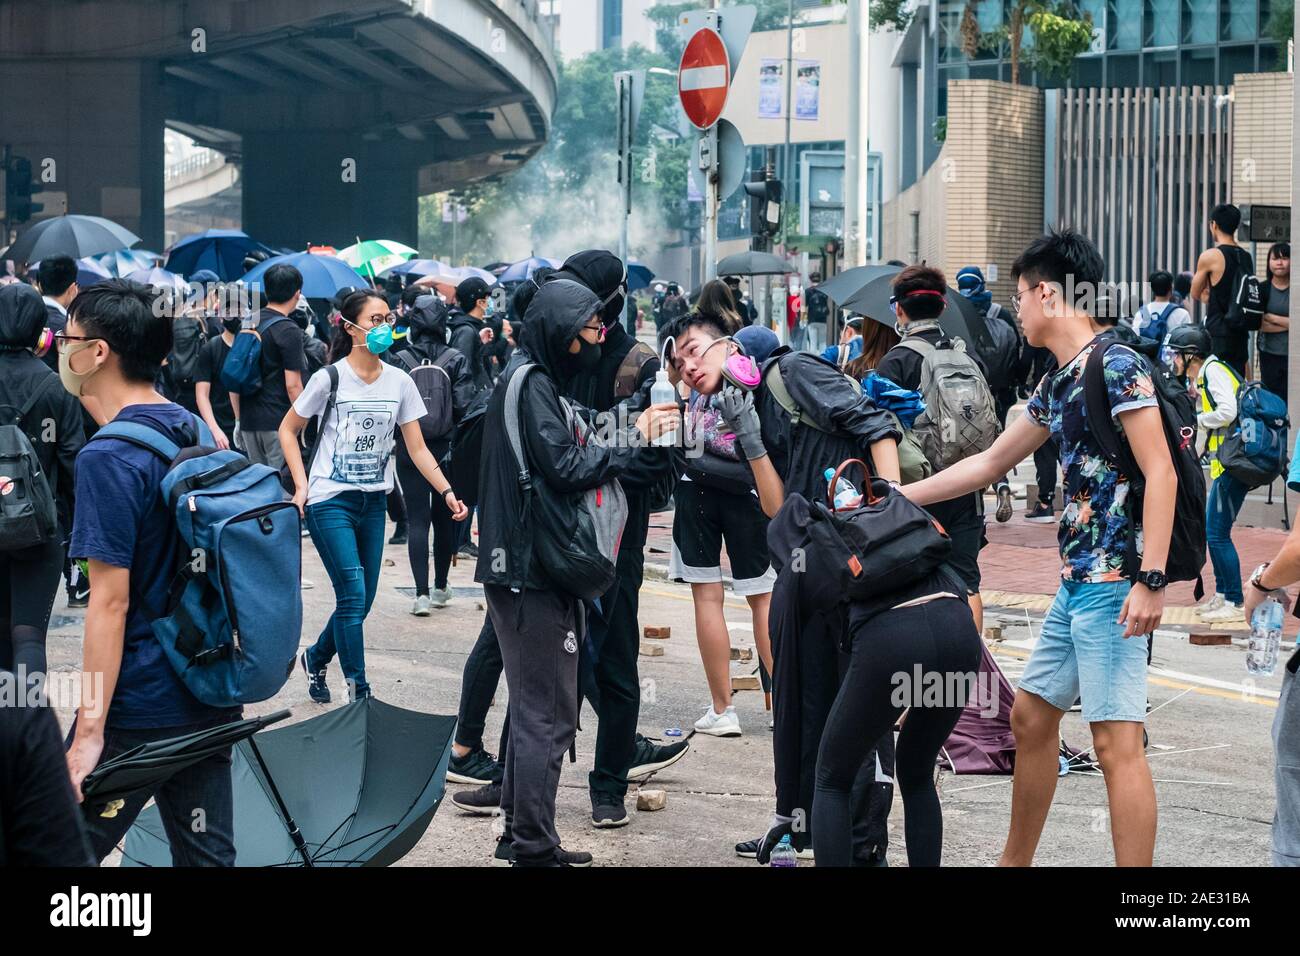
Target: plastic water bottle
(662,391)
(1265,637)
(846,496)
(783,853)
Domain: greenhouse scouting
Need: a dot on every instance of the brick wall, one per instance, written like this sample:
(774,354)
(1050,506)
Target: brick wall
(1262,143)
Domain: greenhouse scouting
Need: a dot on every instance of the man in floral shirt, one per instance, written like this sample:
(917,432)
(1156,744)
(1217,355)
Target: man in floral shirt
(1086,648)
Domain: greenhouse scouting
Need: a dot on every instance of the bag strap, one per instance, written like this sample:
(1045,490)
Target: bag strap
(333,373)
(513,423)
(775,382)
(1100,424)
(41,387)
(407,358)
(151,439)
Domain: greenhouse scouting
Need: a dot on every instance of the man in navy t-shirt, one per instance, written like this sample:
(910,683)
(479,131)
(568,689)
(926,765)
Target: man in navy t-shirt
(111,351)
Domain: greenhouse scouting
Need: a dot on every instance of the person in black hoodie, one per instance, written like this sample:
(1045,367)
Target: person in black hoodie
(427,344)
(625,372)
(539,626)
(32,398)
(468,332)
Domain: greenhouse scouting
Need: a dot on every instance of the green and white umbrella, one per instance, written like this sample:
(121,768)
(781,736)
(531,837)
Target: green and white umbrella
(375,255)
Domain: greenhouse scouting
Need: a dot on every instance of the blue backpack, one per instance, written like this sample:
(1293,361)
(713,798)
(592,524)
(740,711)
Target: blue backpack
(242,372)
(234,612)
(1255,450)
(1156,328)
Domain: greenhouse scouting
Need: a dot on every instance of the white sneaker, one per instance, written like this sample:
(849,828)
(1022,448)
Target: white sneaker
(441,597)
(725,724)
(421,607)
(1227,614)
(1213,604)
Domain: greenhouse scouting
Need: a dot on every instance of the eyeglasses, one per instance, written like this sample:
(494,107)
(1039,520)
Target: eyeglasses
(1014,298)
(599,328)
(60,338)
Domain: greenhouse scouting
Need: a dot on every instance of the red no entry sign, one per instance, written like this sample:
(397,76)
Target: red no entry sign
(703,78)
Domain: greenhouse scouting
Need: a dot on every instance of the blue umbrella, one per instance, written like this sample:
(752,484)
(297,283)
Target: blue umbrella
(124,261)
(74,236)
(418,267)
(524,268)
(90,272)
(159,279)
(638,276)
(322,276)
(220,250)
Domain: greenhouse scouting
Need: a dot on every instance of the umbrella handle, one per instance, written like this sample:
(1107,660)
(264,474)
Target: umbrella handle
(294,833)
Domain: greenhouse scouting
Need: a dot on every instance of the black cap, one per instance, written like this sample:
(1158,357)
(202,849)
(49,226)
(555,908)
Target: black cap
(471,290)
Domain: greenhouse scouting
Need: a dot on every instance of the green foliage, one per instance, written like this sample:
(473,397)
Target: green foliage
(894,14)
(1058,39)
(769,15)
(1281,27)
(940,129)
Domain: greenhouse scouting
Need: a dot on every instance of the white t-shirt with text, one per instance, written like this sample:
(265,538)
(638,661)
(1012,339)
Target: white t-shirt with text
(356,443)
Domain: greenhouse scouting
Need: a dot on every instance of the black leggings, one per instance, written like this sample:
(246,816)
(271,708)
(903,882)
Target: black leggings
(940,639)
(425,508)
(29,579)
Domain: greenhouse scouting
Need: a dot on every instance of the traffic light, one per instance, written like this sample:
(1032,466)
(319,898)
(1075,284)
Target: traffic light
(764,203)
(18,190)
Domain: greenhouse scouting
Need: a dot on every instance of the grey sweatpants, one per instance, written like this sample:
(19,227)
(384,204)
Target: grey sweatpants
(1286,770)
(263,448)
(539,633)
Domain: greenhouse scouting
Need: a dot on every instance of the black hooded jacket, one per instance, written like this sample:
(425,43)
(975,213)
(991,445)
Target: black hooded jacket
(463,335)
(22,316)
(602,388)
(553,320)
(852,423)
(426,341)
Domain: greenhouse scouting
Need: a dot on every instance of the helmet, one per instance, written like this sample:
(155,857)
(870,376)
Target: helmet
(1190,339)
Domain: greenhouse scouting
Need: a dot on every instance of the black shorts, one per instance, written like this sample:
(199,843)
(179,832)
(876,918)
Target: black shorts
(703,519)
(963,519)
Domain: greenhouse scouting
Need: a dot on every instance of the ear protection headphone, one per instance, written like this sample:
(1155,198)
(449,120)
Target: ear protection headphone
(44,342)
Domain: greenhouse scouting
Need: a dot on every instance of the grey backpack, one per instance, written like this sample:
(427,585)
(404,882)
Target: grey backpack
(576,536)
(959,418)
(27,513)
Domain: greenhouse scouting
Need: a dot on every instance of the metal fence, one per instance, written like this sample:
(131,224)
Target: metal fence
(1139,171)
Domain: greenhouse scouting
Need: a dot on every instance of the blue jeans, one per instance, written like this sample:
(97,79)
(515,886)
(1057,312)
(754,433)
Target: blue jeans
(348,531)
(1221,507)
(204,786)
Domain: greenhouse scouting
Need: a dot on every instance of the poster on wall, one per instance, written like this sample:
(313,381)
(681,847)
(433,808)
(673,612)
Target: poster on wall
(770,89)
(807,89)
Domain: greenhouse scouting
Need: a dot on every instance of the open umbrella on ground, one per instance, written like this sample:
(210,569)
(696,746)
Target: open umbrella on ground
(959,320)
(159,279)
(125,261)
(639,276)
(522,270)
(76,236)
(322,275)
(418,267)
(354,787)
(220,250)
(375,255)
(153,764)
(753,264)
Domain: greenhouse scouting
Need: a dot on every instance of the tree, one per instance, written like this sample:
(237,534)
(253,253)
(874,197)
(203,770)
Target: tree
(1060,33)
(890,14)
(770,15)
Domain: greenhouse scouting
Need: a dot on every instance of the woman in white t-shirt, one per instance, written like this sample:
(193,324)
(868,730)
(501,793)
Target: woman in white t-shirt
(341,490)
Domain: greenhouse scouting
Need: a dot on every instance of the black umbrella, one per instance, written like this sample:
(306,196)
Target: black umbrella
(849,282)
(153,764)
(76,236)
(959,320)
(353,787)
(753,264)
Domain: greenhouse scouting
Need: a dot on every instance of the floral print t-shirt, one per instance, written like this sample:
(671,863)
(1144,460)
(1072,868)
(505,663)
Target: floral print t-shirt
(1094,530)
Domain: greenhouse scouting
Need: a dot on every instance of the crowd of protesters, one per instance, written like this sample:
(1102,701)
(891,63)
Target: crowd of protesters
(477,409)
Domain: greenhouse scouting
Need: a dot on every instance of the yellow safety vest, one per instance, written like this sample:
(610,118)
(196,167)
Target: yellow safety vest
(1218,435)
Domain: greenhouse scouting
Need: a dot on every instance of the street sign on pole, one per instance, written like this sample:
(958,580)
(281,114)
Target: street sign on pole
(735,25)
(733,158)
(703,78)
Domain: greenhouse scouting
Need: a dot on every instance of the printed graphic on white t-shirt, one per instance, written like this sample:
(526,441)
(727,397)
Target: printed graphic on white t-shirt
(364,442)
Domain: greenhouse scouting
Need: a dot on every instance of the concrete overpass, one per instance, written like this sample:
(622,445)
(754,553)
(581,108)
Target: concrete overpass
(339,112)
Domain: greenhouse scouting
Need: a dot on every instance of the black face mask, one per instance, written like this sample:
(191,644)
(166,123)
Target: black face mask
(586,358)
(232,325)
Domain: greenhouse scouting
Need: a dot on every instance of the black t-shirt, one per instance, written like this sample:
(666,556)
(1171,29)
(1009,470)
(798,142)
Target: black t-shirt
(40,824)
(208,369)
(281,352)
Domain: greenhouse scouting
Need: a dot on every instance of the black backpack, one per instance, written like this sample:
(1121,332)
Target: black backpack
(461,463)
(27,510)
(1187,540)
(189,335)
(434,382)
(1000,359)
(1246,307)
(316,353)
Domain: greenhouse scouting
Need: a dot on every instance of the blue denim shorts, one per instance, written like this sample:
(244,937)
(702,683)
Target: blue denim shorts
(1082,653)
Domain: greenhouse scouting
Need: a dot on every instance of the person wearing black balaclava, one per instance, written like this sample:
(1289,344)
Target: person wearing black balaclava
(33,399)
(624,373)
(539,626)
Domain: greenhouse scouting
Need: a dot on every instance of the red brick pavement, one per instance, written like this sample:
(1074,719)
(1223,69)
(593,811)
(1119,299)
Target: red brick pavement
(1022,557)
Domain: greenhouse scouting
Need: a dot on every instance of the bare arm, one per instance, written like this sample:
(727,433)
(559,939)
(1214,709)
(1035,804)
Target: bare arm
(1273,322)
(101,662)
(1146,436)
(1017,442)
(770,487)
(290,428)
(884,456)
(293,385)
(1209,260)
(203,398)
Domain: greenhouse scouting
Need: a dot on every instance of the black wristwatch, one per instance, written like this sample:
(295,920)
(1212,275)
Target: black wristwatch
(1155,580)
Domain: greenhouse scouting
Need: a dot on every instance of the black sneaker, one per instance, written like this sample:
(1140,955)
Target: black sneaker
(482,801)
(468,550)
(79,596)
(1041,513)
(316,688)
(607,812)
(505,851)
(1003,514)
(649,757)
(562,857)
(399,534)
(477,768)
(761,849)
